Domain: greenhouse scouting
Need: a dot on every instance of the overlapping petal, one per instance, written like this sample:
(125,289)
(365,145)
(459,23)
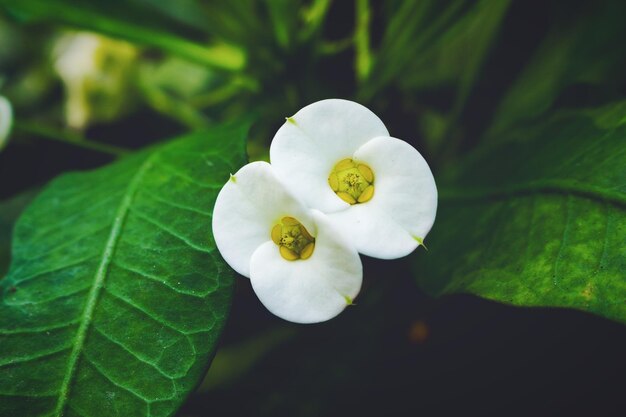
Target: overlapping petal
(305,149)
(388,182)
(247,207)
(313,290)
(403,208)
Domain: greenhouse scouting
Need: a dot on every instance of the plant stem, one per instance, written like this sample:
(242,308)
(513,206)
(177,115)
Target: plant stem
(363,62)
(331,48)
(314,17)
(220,56)
(71,139)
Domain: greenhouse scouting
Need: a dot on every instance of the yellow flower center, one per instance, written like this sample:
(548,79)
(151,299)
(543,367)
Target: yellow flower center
(352,181)
(293,240)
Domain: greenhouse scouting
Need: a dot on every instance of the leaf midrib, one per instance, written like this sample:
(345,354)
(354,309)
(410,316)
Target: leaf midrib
(98,282)
(547,187)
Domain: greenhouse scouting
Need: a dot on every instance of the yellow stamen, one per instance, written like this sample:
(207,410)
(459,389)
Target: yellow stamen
(344,164)
(277,233)
(293,240)
(352,182)
(346,197)
(305,233)
(366,195)
(307,251)
(366,172)
(333,181)
(289,221)
(287,253)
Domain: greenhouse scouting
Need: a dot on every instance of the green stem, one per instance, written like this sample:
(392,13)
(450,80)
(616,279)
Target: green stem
(65,137)
(470,74)
(362,40)
(172,108)
(220,56)
(409,42)
(216,96)
(314,16)
(332,48)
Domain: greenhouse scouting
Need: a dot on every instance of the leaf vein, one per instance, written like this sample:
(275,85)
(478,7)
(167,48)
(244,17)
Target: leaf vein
(43,231)
(160,281)
(161,226)
(146,313)
(133,353)
(24,359)
(47,271)
(189,179)
(65,244)
(112,380)
(47,300)
(38,329)
(176,205)
(563,243)
(98,282)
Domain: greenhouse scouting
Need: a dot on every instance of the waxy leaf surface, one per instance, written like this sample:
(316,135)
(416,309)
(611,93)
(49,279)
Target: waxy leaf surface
(116,294)
(539,220)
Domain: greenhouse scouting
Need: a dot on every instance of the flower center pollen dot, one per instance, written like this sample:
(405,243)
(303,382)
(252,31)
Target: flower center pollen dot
(293,240)
(352,181)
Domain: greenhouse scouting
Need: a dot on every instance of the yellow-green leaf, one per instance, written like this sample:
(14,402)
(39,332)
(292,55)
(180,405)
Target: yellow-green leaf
(539,220)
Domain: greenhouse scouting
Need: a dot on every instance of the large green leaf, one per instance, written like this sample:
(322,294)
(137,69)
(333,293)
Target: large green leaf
(116,293)
(539,220)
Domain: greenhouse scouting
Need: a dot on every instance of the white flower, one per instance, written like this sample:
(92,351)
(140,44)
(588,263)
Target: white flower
(300,266)
(6,121)
(337,156)
(97,72)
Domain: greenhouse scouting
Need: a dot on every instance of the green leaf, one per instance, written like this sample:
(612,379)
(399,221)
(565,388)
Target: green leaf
(427,45)
(136,24)
(539,220)
(283,15)
(188,12)
(457,55)
(569,55)
(116,293)
(9,212)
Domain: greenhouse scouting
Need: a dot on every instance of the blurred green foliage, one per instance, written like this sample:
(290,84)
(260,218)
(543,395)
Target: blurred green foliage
(497,95)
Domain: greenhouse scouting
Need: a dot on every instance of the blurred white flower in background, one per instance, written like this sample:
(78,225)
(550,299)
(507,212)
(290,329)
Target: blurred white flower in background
(6,121)
(97,72)
(337,156)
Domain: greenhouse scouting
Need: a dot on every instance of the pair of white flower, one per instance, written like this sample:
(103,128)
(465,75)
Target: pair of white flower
(338,184)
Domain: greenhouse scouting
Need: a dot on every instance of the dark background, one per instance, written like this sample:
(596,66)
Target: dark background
(476,358)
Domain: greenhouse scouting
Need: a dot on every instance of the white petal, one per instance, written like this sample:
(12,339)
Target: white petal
(403,208)
(307,147)
(247,208)
(312,290)
(6,120)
